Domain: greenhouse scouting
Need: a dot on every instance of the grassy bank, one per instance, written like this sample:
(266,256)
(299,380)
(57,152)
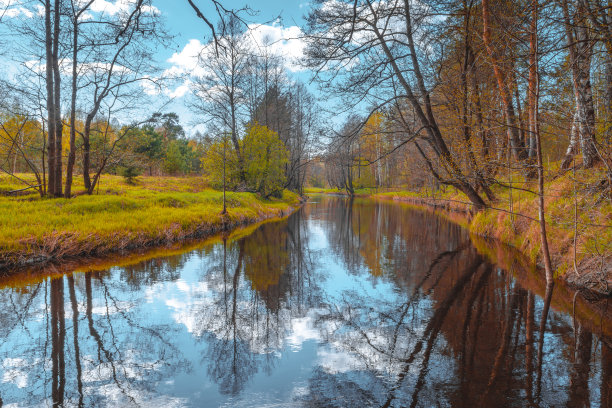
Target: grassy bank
(154,211)
(578,215)
(359,192)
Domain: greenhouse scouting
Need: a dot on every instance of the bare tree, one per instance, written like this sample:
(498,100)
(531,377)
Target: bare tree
(52,16)
(220,92)
(121,54)
(76,12)
(383,44)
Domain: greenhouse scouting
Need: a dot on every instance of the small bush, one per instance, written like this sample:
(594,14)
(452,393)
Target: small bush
(130,174)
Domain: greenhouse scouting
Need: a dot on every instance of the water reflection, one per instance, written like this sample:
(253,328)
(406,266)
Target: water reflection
(345,303)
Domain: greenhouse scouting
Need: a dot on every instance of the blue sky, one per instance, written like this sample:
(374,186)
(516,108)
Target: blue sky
(278,21)
(183,21)
(191,32)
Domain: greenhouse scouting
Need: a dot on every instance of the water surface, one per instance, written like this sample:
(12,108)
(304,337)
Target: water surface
(343,304)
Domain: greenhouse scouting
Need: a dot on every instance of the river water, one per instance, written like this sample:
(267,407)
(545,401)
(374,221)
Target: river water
(344,304)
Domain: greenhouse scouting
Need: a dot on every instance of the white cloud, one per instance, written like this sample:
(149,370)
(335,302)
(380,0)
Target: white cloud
(181,90)
(186,61)
(119,6)
(11,9)
(284,42)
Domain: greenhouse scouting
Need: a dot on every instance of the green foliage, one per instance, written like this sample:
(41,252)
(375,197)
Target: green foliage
(169,126)
(212,164)
(174,160)
(148,142)
(130,173)
(265,157)
(164,147)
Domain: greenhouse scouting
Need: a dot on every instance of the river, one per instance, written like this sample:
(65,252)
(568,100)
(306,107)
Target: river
(343,304)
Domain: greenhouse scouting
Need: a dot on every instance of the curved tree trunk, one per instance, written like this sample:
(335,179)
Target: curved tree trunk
(425,113)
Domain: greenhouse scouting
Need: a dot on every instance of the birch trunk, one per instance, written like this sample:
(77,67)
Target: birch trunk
(580,47)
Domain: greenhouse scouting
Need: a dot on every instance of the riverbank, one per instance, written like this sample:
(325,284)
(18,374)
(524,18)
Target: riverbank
(578,216)
(154,211)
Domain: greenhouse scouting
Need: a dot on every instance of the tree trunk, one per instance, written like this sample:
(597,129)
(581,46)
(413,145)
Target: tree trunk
(468,65)
(50,100)
(235,141)
(534,83)
(16,150)
(86,153)
(531,89)
(506,96)
(72,153)
(608,100)
(580,47)
(573,143)
(57,94)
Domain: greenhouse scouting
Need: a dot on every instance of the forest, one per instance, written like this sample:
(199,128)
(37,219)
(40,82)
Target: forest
(503,108)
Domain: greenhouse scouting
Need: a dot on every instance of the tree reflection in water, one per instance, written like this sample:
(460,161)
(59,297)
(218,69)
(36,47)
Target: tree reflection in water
(264,283)
(100,354)
(345,303)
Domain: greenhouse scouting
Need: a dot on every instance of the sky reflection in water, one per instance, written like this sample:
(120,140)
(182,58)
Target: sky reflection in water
(343,304)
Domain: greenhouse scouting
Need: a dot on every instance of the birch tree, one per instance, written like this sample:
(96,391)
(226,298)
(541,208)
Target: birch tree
(580,48)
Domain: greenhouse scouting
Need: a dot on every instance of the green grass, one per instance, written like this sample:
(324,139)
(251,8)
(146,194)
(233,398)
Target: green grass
(365,191)
(317,190)
(122,216)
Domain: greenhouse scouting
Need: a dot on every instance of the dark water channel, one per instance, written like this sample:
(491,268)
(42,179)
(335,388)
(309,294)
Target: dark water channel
(343,304)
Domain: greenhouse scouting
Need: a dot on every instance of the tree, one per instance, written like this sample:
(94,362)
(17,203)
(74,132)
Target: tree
(342,157)
(377,42)
(580,47)
(174,161)
(52,16)
(503,68)
(122,50)
(220,164)
(265,157)
(148,143)
(169,125)
(77,12)
(219,92)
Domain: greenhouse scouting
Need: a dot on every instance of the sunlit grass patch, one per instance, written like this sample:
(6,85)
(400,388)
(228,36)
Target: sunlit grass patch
(122,216)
